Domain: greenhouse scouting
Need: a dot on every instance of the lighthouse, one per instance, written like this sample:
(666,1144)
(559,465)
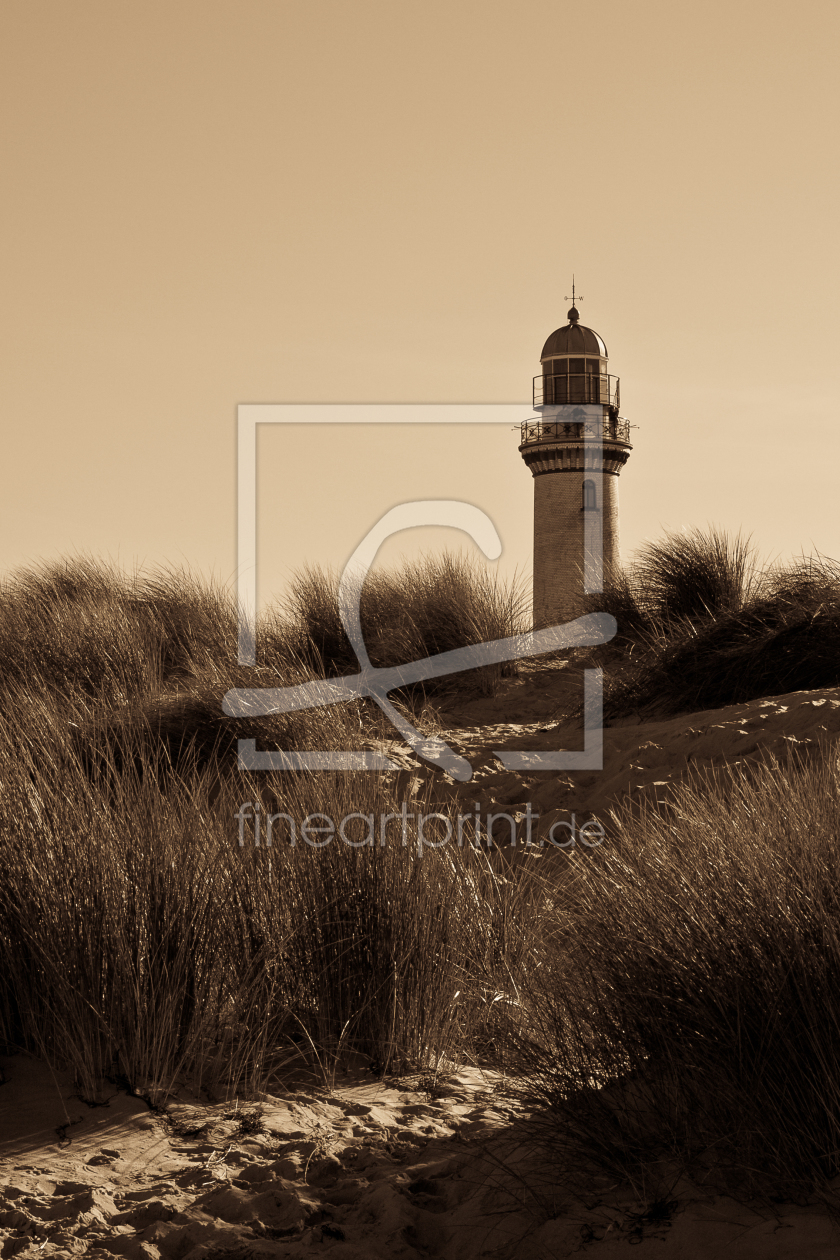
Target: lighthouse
(575,447)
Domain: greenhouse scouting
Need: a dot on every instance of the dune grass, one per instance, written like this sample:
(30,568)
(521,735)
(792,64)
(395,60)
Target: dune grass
(673,1004)
(428,606)
(693,575)
(700,986)
(702,626)
(138,939)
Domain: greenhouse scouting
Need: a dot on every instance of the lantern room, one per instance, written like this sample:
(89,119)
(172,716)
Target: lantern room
(574,368)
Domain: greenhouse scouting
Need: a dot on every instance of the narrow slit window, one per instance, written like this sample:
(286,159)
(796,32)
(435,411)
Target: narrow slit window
(589,502)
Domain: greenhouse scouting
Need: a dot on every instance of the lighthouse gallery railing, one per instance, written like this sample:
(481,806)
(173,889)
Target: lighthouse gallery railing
(614,430)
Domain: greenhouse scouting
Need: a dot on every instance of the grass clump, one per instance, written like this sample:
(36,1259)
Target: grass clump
(693,575)
(786,639)
(701,626)
(695,1021)
(429,606)
(138,939)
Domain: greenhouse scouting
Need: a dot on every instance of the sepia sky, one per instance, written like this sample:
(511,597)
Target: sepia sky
(211,203)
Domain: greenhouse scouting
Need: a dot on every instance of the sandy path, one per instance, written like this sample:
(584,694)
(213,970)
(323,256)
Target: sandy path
(365,1170)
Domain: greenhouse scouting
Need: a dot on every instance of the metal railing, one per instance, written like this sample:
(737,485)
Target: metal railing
(576,387)
(614,429)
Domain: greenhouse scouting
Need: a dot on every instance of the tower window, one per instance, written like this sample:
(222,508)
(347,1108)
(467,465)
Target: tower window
(589,502)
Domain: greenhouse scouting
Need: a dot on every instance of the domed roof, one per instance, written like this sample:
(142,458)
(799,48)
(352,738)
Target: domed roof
(573,338)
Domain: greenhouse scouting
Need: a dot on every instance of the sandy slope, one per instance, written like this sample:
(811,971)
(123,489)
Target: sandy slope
(405,1168)
(639,759)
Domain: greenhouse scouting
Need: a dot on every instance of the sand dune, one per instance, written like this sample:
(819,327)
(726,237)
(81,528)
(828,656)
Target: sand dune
(416,1167)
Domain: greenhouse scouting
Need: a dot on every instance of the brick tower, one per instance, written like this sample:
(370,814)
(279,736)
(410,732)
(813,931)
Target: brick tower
(575,450)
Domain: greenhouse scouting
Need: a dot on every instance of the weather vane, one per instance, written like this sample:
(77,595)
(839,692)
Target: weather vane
(574,301)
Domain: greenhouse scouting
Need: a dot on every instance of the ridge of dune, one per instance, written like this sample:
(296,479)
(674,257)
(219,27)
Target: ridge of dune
(642,759)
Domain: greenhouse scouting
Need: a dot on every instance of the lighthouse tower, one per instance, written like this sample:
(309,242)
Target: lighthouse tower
(575,449)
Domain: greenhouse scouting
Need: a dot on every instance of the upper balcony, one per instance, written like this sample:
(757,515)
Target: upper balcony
(575,388)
